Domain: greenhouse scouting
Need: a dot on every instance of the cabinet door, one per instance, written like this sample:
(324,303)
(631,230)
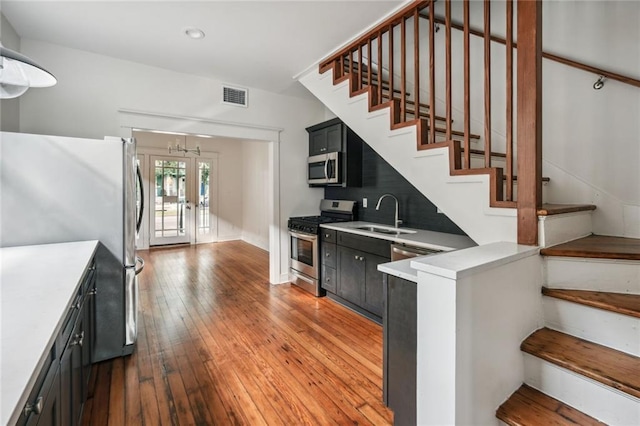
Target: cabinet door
(372,295)
(71,376)
(351,270)
(318,142)
(50,415)
(334,138)
(88,344)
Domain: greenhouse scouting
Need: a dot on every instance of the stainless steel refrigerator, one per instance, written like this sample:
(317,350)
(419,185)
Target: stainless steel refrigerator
(59,189)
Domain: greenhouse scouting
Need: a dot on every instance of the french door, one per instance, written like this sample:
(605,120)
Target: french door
(182,200)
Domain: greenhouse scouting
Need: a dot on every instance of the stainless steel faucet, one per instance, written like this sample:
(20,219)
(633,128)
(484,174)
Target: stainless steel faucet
(397,222)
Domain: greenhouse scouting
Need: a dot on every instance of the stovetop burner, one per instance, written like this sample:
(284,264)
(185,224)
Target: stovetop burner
(332,211)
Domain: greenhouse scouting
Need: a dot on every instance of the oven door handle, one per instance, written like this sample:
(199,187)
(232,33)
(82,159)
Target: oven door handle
(305,237)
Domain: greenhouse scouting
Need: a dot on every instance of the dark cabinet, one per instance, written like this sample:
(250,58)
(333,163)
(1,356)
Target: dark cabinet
(335,136)
(325,139)
(42,406)
(71,383)
(328,273)
(62,385)
(372,297)
(350,270)
(399,349)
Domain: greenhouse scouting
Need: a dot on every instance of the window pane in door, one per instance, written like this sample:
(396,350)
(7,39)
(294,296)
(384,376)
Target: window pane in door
(170,202)
(204,170)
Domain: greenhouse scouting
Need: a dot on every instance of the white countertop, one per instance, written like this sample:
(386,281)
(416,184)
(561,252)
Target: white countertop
(37,285)
(417,238)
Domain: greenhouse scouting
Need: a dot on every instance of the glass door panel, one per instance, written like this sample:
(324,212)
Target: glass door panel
(205,219)
(172,212)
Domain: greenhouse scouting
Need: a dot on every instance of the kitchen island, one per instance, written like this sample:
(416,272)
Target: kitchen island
(40,287)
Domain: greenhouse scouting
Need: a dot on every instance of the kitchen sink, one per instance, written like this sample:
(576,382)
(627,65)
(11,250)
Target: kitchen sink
(381,230)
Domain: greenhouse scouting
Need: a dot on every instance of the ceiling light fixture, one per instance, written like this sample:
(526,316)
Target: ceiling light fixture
(18,73)
(194,33)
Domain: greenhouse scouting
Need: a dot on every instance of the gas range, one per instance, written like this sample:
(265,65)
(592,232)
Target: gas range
(304,258)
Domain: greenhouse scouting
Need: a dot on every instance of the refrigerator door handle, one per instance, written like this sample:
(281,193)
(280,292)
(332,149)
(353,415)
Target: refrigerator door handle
(140,214)
(141,262)
(131,306)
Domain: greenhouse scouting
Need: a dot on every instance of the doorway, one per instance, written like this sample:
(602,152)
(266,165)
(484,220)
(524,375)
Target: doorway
(182,201)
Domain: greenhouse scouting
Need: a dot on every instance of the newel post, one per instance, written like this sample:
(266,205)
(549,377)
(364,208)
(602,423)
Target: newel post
(529,101)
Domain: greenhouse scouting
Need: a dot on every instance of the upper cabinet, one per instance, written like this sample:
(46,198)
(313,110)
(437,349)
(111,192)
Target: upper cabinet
(326,139)
(345,166)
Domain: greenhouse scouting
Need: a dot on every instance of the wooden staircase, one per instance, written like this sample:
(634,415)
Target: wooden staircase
(577,362)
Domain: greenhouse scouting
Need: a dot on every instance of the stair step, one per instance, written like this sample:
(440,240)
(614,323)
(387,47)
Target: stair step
(597,247)
(605,365)
(548,209)
(528,406)
(621,303)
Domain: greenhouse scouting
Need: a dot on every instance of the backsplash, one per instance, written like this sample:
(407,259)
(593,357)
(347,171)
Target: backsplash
(378,178)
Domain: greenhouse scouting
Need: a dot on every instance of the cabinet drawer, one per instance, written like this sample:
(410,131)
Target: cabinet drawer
(366,244)
(40,390)
(329,255)
(329,279)
(70,319)
(328,235)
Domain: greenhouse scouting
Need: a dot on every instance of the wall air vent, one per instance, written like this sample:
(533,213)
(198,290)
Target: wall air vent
(234,96)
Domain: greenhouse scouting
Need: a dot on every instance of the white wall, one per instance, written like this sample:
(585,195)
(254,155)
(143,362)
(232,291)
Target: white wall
(255,220)
(9,108)
(92,88)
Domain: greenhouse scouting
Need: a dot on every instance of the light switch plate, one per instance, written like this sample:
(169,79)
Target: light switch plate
(364,203)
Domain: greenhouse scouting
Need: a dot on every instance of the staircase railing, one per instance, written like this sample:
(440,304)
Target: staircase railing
(389,64)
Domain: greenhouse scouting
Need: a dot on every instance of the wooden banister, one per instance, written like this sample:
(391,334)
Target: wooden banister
(387,90)
(529,119)
(550,56)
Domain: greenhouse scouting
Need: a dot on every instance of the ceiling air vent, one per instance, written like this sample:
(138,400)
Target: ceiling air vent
(234,96)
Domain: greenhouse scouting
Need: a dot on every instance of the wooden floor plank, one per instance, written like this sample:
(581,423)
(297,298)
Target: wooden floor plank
(530,407)
(219,345)
(621,303)
(598,247)
(605,365)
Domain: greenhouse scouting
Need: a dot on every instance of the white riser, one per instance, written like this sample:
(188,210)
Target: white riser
(593,398)
(464,199)
(561,228)
(620,332)
(617,276)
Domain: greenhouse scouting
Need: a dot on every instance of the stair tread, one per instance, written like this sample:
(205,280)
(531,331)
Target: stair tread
(598,247)
(549,209)
(600,363)
(528,406)
(622,303)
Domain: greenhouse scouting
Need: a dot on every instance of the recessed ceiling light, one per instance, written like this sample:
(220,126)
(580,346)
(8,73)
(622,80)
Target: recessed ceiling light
(194,33)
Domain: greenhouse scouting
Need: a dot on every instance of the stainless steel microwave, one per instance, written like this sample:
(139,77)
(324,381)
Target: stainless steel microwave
(324,169)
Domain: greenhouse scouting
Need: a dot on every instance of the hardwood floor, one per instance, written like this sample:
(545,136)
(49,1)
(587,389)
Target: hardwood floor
(219,345)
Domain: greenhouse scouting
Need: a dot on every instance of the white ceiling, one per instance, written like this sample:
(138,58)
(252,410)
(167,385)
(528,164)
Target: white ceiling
(260,44)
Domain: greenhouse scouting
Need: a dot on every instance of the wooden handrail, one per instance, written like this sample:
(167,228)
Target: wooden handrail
(575,64)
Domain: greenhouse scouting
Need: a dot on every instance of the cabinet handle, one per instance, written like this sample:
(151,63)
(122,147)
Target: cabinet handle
(328,279)
(92,292)
(327,235)
(79,339)
(35,408)
(361,258)
(355,257)
(327,254)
